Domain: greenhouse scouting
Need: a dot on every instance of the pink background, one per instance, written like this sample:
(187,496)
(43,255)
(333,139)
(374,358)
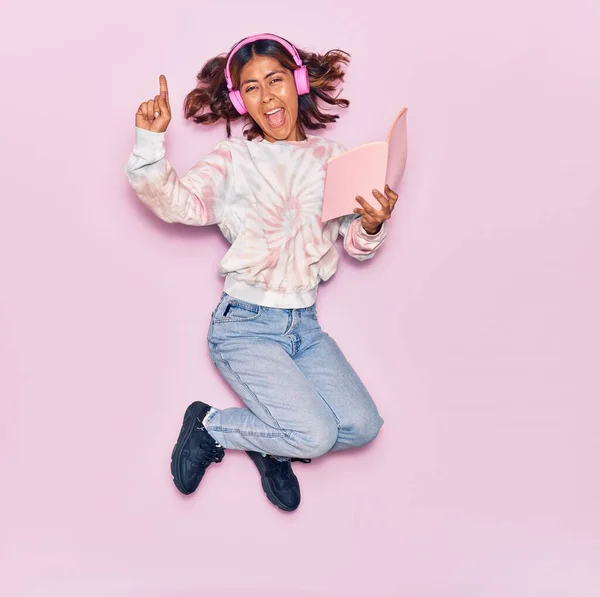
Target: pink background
(476,328)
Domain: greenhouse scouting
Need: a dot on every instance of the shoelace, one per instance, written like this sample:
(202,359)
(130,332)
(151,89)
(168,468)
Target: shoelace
(283,470)
(212,453)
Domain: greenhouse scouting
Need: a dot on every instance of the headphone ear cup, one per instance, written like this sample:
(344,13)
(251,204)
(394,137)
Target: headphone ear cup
(302,80)
(238,103)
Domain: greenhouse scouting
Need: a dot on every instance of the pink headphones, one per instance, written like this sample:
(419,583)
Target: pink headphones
(300,74)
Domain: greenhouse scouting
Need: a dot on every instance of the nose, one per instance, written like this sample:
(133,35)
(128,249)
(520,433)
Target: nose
(267,96)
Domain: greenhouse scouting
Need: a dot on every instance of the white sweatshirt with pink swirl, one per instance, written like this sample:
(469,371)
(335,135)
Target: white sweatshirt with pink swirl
(266,198)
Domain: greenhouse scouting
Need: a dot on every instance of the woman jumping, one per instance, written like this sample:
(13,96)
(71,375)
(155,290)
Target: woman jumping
(265,192)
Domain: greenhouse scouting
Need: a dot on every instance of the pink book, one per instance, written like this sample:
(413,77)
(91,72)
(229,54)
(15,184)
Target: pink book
(364,168)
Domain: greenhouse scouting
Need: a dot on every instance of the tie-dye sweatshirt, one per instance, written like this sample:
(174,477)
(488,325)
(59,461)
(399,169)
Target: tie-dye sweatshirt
(266,198)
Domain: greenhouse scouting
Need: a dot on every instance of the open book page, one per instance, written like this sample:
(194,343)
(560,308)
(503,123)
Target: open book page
(364,168)
(356,172)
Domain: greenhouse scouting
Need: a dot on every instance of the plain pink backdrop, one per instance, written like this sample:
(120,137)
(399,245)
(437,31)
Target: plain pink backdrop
(476,328)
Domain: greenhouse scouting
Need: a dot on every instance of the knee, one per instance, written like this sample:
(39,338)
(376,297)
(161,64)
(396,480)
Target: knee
(365,427)
(318,438)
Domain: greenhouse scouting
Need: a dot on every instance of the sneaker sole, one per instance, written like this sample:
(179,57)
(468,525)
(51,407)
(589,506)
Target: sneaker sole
(257,459)
(184,435)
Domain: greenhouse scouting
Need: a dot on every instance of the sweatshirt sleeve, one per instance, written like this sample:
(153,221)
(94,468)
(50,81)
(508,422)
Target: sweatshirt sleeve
(196,199)
(357,241)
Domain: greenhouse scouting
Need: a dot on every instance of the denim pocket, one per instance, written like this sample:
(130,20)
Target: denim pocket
(233,310)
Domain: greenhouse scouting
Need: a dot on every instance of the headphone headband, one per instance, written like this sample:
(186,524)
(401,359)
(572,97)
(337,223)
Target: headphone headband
(248,40)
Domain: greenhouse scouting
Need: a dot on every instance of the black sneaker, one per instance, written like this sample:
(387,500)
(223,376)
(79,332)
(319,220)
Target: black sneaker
(278,480)
(194,451)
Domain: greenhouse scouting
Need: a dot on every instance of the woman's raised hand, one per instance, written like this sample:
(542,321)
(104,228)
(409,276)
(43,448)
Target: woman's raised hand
(155,114)
(373,219)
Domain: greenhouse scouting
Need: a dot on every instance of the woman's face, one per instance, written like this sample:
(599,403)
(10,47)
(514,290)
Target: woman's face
(269,92)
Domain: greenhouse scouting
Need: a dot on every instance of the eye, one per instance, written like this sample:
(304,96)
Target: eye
(276,80)
(249,89)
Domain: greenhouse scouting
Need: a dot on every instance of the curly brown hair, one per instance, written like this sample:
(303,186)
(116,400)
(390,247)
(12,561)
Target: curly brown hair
(209,102)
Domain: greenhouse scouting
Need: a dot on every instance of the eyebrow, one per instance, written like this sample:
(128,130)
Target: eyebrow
(279,70)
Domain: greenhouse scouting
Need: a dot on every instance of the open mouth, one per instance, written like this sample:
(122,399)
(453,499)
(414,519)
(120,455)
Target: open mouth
(276,117)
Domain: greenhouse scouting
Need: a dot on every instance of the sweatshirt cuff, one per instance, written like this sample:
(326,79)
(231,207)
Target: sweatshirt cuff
(149,144)
(363,234)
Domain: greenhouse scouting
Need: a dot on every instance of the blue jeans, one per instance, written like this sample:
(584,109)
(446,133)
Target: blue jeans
(302,397)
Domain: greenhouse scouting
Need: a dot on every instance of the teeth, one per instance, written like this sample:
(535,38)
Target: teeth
(273,111)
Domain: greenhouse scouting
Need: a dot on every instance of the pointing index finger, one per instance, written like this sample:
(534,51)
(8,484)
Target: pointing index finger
(164,90)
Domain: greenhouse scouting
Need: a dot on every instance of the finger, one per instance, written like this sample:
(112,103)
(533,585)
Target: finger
(366,219)
(366,206)
(141,116)
(157,109)
(382,200)
(150,110)
(162,83)
(143,110)
(370,217)
(164,89)
(392,196)
(163,106)
(370,220)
